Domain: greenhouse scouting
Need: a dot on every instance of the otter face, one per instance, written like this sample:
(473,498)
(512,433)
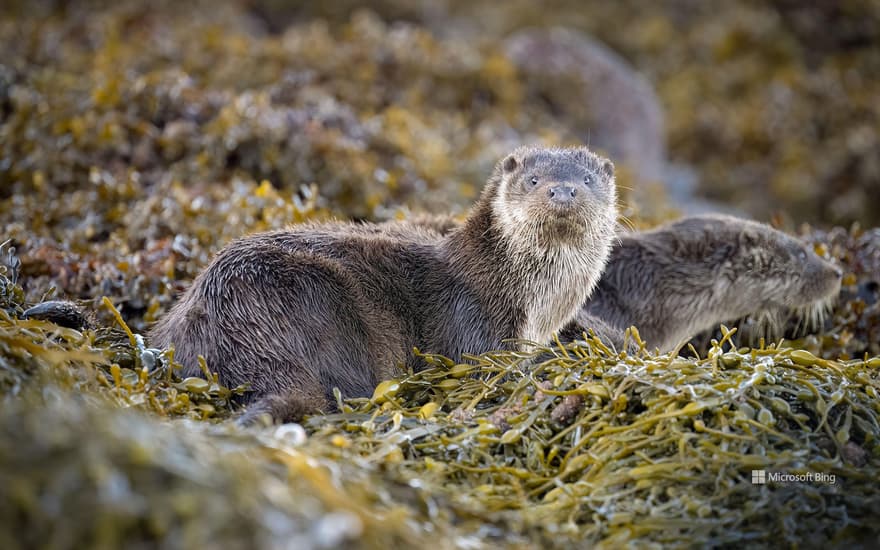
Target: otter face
(556,196)
(783,270)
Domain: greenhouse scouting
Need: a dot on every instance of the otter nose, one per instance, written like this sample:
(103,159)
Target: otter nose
(561,193)
(838,272)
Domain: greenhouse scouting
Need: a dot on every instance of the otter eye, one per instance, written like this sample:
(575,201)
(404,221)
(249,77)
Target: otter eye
(588,179)
(533,181)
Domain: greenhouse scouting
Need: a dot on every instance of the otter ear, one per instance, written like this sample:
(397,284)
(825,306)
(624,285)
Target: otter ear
(607,168)
(509,164)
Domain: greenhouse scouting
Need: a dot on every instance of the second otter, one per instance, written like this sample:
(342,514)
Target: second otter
(298,312)
(688,276)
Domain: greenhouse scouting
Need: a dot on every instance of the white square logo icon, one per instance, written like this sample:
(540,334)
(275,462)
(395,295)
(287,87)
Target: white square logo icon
(759,477)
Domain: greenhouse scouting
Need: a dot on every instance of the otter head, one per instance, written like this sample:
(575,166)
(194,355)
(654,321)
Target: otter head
(548,198)
(786,279)
(765,272)
(783,271)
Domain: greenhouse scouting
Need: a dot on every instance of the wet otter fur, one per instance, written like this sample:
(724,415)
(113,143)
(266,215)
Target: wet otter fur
(298,312)
(688,276)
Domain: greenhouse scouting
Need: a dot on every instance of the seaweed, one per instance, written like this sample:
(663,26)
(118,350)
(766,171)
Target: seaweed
(138,138)
(653,448)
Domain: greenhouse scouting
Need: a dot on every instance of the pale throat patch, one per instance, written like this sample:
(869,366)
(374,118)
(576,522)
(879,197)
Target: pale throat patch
(558,294)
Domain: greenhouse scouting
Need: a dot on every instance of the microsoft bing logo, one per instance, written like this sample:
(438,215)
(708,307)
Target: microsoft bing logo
(762,477)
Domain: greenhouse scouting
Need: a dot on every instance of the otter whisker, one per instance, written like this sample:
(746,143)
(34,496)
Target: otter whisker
(628,223)
(799,316)
(811,317)
(767,325)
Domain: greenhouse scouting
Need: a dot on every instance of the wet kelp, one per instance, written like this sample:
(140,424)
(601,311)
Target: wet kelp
(593,446)
(98,477)
(378,115)
(853,330)
(138,138)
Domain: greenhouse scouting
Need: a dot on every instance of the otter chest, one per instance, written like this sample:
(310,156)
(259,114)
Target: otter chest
(556,296)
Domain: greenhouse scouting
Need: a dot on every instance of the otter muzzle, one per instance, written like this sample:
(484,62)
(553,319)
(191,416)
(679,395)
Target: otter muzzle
(561,194)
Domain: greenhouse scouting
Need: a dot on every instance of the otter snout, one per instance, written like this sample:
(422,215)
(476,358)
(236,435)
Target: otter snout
(561,194)
(836,276)
(830,270)
(823,278)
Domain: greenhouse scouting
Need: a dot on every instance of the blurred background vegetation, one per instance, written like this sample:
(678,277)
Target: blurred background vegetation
(138,137)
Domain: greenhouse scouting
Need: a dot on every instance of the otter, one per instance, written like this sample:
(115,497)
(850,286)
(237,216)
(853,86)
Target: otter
(677,280)
(298,312)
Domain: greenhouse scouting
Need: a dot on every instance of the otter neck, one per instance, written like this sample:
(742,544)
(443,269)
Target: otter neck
(698,307)
(543,288)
